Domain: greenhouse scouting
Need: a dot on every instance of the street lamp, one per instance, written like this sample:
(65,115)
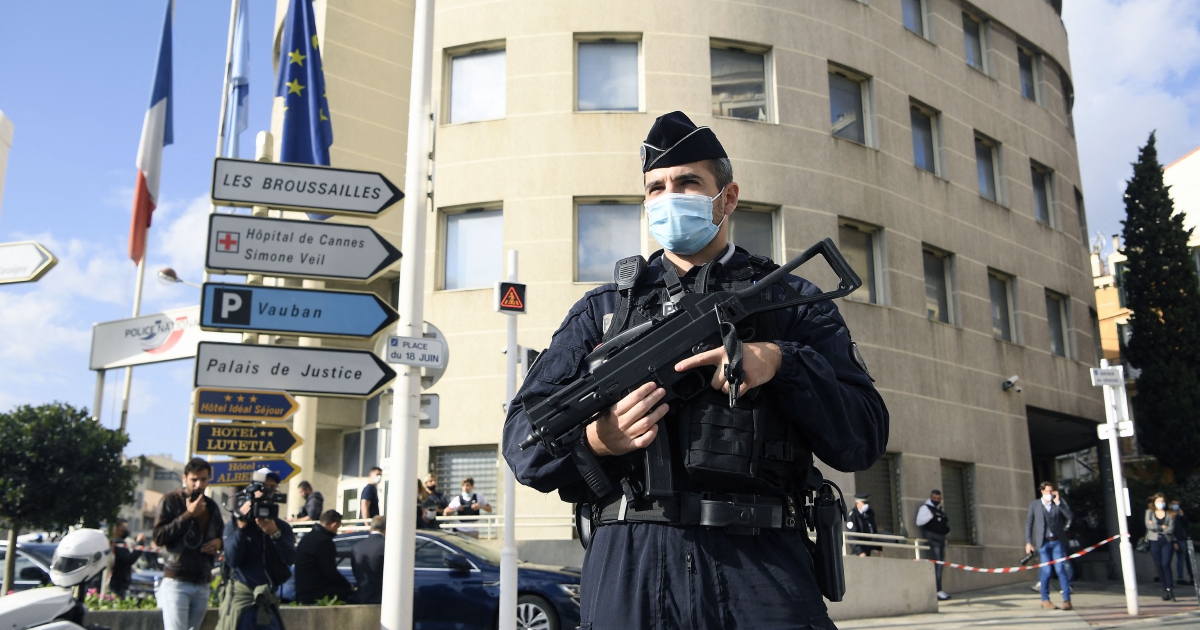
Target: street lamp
(168,276)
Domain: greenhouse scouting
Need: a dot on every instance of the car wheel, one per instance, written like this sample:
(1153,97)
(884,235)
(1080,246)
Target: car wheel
(535,613)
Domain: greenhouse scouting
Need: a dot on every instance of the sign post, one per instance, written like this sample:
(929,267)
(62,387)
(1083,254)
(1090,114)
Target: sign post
(24,261)
(510,300)
(1116,408)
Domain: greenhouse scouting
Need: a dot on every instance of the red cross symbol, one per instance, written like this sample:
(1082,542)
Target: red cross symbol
(228,241)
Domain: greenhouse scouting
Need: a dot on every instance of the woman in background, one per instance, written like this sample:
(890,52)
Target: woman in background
(1160,525)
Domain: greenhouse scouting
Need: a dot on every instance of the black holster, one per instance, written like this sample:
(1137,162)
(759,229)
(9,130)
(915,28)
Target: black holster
(829,521)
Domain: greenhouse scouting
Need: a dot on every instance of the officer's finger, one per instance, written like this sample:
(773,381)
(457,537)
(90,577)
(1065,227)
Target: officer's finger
(716,356)
(633,398)
(644,423)
(644,440)
(641,409)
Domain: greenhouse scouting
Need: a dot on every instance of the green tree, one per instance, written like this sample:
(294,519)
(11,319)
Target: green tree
(1161,289)
(59,467)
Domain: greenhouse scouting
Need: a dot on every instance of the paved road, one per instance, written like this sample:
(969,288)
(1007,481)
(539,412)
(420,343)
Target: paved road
(1016,607)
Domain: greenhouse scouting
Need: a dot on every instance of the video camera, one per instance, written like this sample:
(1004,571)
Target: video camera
(263,503)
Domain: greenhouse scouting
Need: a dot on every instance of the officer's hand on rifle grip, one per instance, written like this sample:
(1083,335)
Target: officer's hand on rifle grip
(630,424)
(760,362)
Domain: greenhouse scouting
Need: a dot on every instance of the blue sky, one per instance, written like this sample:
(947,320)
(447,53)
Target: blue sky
(76,82)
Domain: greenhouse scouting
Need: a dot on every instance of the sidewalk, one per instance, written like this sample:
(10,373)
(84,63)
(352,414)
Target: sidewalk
(1097,605)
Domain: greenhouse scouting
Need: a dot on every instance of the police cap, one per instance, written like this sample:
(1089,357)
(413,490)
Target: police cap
(675,139)
(862,496)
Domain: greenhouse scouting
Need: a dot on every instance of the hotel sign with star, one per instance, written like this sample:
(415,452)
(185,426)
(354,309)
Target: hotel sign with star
(244,404)
(238,439)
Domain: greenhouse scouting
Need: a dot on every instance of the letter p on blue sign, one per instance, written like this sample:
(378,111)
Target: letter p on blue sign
(232,306)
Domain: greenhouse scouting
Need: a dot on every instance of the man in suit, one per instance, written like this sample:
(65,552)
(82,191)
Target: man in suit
(367,560)
(317,575)
(1046,531)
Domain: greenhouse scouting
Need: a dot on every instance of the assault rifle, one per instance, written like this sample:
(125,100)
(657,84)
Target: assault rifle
(649,352)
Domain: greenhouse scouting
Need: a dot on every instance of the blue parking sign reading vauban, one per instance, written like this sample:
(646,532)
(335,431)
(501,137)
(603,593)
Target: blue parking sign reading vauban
(319,313)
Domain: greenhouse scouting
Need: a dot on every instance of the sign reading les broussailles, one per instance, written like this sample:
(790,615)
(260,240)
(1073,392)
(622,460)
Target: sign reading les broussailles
(301,187)
(244,440)
(244,404)
(239,472)
(305,249)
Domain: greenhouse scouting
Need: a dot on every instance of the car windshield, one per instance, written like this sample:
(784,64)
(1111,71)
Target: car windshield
(475,548)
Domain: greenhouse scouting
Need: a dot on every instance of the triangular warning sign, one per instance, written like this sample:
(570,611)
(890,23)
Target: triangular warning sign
(512,300)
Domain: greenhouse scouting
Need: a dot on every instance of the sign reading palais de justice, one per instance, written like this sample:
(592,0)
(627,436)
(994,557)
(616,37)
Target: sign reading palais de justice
(243,307)
(305,249)
(244,440)
(239,472)
(298,370)
(165,336)
(244,404)
(24,261)
(301,187)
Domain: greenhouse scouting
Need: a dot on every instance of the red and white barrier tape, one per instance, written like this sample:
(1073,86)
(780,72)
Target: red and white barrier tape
(964,567)
(150,548)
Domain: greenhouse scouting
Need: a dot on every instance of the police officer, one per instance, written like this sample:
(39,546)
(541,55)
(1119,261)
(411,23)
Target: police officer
(862,521)
(714,553)
(935,525)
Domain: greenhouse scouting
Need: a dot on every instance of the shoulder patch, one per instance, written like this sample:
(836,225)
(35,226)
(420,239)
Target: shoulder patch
(857,358)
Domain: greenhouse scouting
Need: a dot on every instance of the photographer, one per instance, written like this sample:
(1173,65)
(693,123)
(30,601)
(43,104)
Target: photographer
(188,529)
(259,547)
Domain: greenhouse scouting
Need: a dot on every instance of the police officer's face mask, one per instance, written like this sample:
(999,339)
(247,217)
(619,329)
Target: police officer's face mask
(683,223)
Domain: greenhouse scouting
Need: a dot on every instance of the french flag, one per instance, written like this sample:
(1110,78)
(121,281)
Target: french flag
(156,133)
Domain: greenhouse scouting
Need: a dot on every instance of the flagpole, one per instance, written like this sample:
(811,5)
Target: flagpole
(137,309)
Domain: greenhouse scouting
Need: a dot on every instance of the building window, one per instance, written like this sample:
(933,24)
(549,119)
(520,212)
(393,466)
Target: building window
(753,230)
(452,464)
(1042,193)
(848,105)
(986,154)
(349,503)
(860,246)
(914,16)
(1056,317)
(958,502)
(973,33)
(1068,99)
(937,285)
(605,233)
(474,249)
(477,86)
(880,481)
(740,86)
(1027,60)
(1096,342)
(1000,288)
(1119,280)
(925,137)
(608,76)
(352,454)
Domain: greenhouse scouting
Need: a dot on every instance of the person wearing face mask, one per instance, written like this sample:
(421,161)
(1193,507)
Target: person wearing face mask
(862,521)
(934,524)
(1182,559)
(469,503)
(1046,526)
(1160,531)
(368,499)
(718,547)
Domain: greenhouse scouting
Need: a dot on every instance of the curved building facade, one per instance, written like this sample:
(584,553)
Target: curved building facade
(931,139)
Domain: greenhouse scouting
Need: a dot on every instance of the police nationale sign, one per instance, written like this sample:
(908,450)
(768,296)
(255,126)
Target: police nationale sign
(239,472)
(301,187)
(164,336)
(244,440)
(244,404)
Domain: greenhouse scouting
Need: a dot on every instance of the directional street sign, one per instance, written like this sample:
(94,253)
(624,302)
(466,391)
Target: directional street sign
(242,307)
(416,351)
(244,440)
(304,249)
(244,404)
(301,187)
(24,261)
(312,371)
(1124,429)
(510,297)
(1113,376)
(239,472)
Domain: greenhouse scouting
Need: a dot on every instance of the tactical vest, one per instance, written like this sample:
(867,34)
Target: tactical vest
(940,523)
(749,448)
(464,507)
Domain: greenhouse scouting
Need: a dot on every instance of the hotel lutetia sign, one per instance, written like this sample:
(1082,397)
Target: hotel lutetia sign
(244,440)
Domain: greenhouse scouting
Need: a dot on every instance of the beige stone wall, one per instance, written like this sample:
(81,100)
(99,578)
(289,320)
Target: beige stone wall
(6,135)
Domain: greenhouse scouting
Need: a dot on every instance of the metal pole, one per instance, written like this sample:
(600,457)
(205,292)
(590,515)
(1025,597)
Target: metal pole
(508,553)
(137,309)
(396,612)
(98,401)
(1115,411)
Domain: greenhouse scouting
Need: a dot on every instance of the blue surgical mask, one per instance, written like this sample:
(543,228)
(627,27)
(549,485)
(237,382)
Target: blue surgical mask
(683,223)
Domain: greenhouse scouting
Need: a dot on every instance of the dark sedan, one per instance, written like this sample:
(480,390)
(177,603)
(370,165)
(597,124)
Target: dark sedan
(33,564)
(457,585)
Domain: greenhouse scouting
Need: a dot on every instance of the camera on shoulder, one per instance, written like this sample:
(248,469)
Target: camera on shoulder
(264,502)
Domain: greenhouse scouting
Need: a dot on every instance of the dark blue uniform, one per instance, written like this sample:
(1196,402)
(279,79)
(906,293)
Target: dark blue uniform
(651,575)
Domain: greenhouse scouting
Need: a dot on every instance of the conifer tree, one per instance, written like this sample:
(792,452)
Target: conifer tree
(1161,289)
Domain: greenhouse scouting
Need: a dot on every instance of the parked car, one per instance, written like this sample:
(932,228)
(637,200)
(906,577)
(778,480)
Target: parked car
(33,564)
(147,574)
(457,585)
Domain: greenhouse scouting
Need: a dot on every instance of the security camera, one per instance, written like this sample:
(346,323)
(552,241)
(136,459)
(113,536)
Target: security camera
(1010,383)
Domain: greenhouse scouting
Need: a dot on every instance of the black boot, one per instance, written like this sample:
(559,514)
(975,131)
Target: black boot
(1169,596)
(1166,594)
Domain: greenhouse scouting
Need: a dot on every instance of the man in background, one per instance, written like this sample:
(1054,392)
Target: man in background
(1046,532)
(317,575)
(188,530)
(469,503)
(368,499)
(313,503)
(123,558)
(862,521)
(367,560)
(934,524)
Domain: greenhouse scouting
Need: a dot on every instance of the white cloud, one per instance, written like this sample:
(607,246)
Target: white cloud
(1135,64)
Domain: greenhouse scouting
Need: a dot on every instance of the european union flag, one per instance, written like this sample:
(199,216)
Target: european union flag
(307,132)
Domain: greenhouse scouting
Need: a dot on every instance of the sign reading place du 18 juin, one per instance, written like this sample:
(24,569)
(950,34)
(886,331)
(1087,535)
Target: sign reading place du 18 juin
(305,249)
(303,370)
(302,187)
